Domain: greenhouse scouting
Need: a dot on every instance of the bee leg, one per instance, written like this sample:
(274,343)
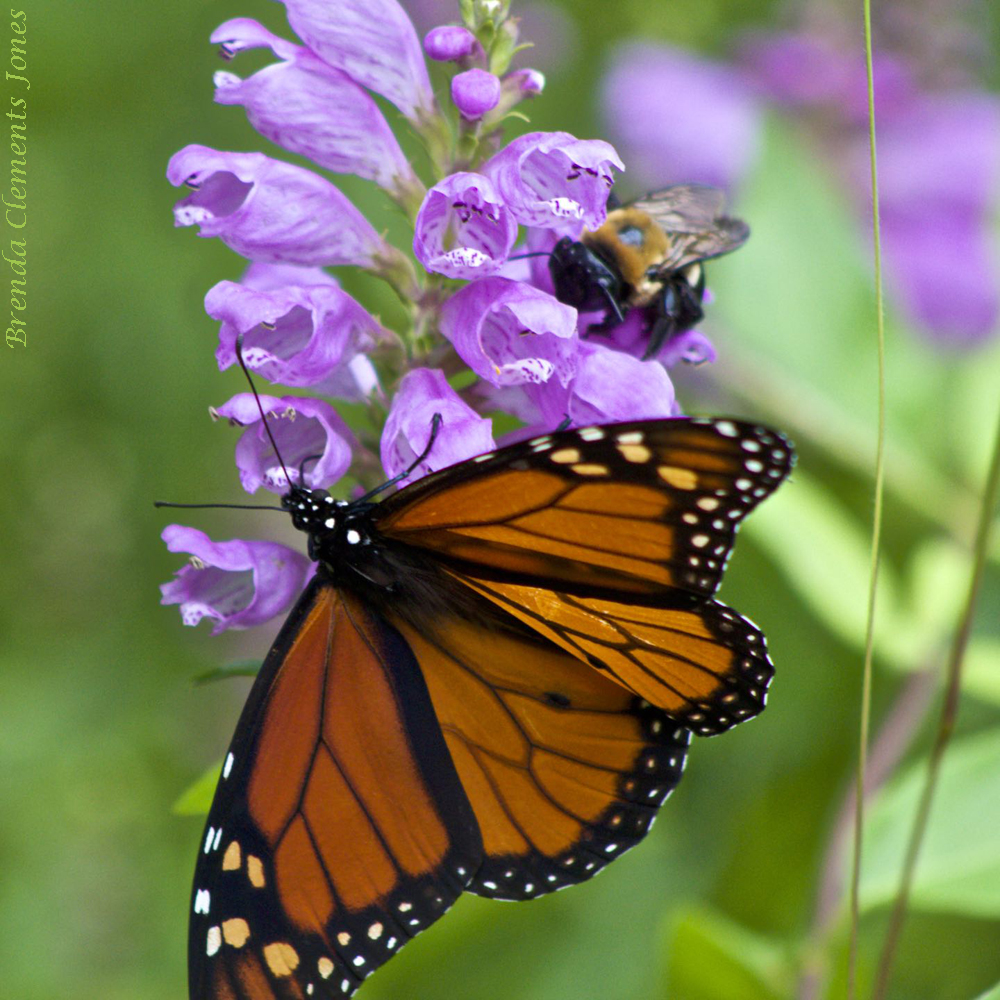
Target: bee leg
(663,328)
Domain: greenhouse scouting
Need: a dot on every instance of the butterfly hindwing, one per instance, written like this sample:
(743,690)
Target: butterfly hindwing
(564,768)
(623,511)
(697,660)
(339,828)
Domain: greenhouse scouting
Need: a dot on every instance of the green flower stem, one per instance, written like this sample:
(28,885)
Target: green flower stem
(866,678)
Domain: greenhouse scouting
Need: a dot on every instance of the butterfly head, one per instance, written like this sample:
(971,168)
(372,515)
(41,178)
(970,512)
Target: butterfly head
(334,526)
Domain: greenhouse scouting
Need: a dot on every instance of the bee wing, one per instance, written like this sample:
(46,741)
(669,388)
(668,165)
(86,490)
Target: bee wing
(692,216)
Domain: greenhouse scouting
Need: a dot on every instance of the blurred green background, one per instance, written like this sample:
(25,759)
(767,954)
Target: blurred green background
(106,410)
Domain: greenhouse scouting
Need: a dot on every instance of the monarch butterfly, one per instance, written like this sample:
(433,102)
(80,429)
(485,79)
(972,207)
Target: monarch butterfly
(489,685)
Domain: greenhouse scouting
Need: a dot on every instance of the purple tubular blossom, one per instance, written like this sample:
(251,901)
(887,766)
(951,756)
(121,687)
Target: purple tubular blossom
(423,393)
(451,43)
(680,117)
(509,333)
(554,180)
(239,584)
(310,108)
(298,335)
(608,387)
(463,229)
(303,428)
(270,211)
(939,173)
(475,92)
(373,42)
(632,337)
(528,82)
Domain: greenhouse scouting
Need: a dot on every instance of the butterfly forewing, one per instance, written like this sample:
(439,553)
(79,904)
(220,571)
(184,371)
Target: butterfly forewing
(339,829)
(631,511)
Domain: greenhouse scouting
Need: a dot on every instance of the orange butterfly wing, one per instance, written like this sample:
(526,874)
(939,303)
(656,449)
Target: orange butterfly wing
(623,509)
(564,769)
(609,542)
(339,829)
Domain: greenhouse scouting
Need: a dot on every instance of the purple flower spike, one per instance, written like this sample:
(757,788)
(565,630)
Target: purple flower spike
(303,429)
(554,180)
(451,43)
(422,393)
(708,132)
(509,333)
(609,387)
(310,108)
(373,42)
(475,92)
(296,335)
(270,211)
(463,229)
(239,584)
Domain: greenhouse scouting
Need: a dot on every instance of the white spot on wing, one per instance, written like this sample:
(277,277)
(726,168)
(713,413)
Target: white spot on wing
(213,941)
(228,766)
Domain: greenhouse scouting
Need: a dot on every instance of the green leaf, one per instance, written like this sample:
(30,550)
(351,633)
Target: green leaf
(196,799)
(980,676)
(959,865)
(993,994)
(714,958)
(238,668)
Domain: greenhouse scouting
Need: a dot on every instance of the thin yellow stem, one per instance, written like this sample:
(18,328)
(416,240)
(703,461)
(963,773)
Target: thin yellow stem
(949,710)
(866,684)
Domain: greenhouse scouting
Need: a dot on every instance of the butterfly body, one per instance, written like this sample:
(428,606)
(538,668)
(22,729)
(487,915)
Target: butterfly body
(489,686)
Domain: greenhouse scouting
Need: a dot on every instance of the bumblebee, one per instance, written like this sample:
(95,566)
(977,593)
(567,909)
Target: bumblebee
(648,255)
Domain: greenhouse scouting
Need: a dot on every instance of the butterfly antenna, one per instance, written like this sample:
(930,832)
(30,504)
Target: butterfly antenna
(435,427)
(260,407)
(208,506)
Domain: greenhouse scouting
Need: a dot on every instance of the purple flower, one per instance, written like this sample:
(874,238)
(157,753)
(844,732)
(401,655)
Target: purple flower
(475,92)
(608,387)
(679,117)
(939,174)
(939,168)
(806,71)
(423,393)
(554,180)
(373,42)
(508,332)
(298,335)
(239,584)
(632,337)
(452,43)
(463,229)
(314,442)
(310,108)
(271,211)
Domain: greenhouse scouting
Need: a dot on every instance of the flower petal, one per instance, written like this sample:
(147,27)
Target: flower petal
(238,583)
(554,180)
(373,41)
(270,211)
(423,393)
(308,107)
(307,431)
(609,386)
(463,229)
(508,332)
(296,335)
